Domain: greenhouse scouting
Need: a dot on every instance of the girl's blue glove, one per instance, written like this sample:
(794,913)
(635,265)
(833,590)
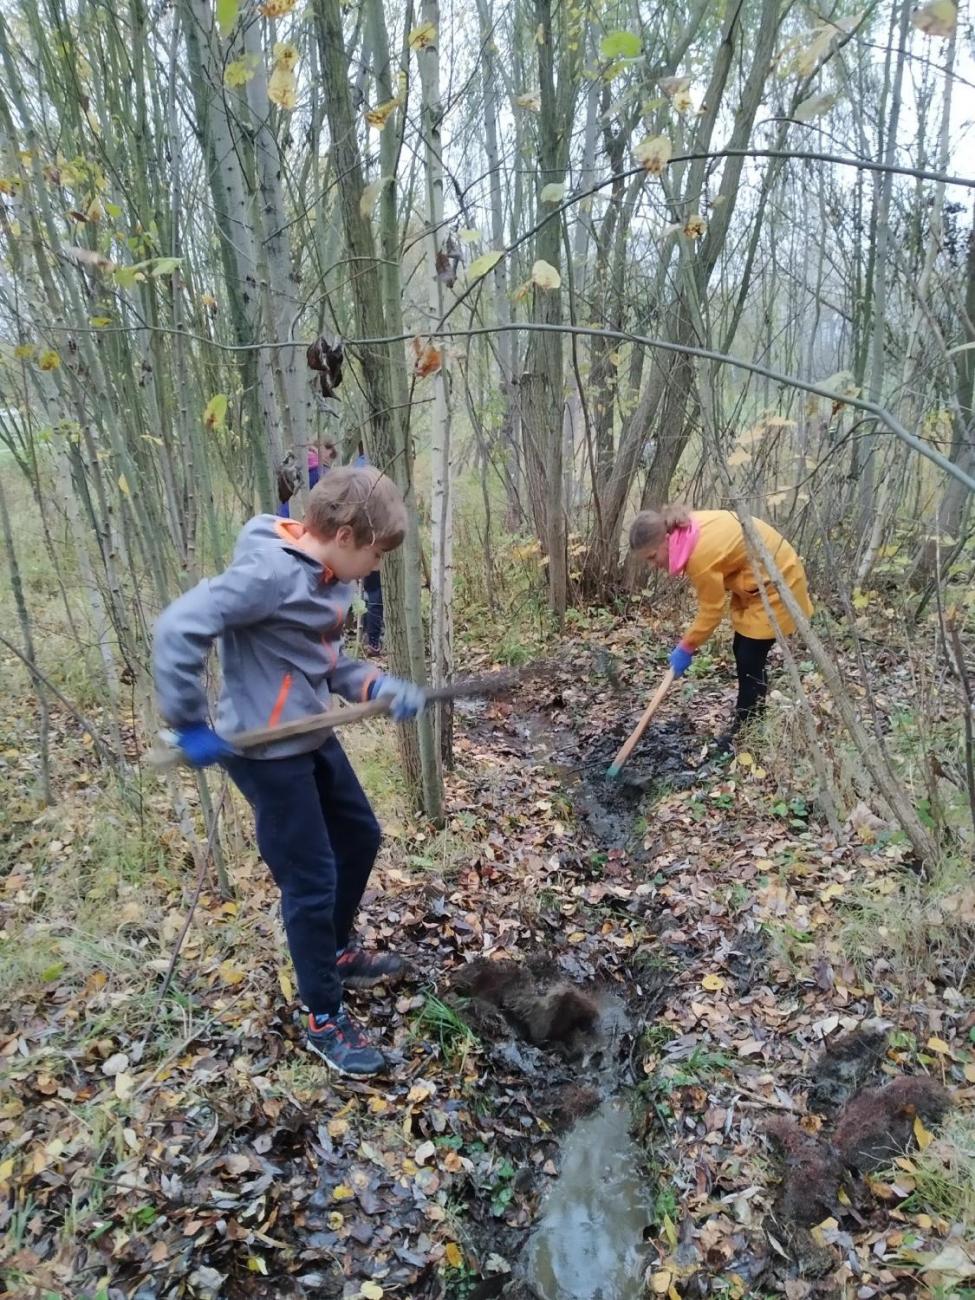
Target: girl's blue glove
(201,745)
(680,660)
(406,699)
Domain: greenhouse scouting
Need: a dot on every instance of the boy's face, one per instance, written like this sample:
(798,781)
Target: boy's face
(349,561)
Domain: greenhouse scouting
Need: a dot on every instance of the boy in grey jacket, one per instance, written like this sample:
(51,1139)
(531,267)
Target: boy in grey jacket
(277,614)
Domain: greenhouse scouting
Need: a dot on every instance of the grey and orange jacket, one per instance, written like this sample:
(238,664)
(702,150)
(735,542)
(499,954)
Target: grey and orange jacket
(277,617)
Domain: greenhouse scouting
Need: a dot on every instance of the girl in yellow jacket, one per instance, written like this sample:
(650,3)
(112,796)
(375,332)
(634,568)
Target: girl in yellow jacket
(709,547)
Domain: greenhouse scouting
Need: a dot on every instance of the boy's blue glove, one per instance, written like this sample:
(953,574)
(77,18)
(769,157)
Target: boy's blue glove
(680,660)
(201,745)
(406,699)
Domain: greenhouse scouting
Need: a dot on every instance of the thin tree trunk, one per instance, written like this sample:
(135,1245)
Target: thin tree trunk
(380,366)
(23,618)
(441,490)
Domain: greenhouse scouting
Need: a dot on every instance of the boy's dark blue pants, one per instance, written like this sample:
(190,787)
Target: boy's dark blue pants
(319,836)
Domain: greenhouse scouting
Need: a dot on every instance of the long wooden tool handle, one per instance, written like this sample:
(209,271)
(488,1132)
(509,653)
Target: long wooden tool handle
(163,756)
(629,744)
(358,712)
(314,722)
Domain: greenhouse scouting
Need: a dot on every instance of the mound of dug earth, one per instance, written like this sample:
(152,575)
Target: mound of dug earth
(544,1009)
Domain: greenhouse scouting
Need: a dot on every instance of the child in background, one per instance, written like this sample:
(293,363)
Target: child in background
(709,547)
(288,474)
(278,612)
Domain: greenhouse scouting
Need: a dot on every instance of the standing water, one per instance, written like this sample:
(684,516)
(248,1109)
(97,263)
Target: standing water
(587,1242)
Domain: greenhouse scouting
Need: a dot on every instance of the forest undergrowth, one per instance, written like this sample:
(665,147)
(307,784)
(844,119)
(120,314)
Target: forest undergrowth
(165,1134)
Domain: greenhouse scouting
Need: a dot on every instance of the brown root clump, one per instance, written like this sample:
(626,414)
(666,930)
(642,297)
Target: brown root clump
(813,1174)
(878,1124)
(872,1129)
(845,1066)
(543,1012)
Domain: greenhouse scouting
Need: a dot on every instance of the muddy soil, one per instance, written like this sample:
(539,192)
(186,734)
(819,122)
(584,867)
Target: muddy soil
(614,811)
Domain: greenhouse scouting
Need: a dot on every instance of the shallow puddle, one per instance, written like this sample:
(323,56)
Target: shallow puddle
(587,1243)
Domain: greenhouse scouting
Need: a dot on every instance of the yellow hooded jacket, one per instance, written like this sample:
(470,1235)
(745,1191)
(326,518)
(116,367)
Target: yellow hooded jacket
(720,562)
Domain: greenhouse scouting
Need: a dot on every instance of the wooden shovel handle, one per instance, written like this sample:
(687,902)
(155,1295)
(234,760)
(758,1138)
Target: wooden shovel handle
(629,744)
(164,756)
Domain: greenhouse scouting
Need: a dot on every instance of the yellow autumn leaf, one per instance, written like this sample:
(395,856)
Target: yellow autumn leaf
(940,18)
(660,1281)
(371,1291)
(24,351)
(970,1072)
(285,55)
(99,322)
(481,265)
(745,759)
(285,985)
(257,1265)
(713,983)
(453,1254)
(695,226)
(545,275)
(230,974)
(6,1171)
(123,484)
(226,15)
(421,36)
(49,360)
(552,193)
(282,88)
(739,457)
(124,1085)
(239,71)
(378,117)
(215,412)
(470,236)
(342,1193)
(924,1138)
(529,101)
(276,8)
(654,152)
(939,1045)
(833,890)
(95,211)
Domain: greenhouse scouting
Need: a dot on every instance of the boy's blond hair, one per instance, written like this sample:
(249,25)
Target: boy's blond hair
(361,498)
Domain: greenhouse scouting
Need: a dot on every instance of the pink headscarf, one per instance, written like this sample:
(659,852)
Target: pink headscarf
(312,458)
(680,544)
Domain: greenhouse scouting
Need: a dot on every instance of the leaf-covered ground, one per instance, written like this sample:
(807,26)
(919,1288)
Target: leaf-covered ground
(750,974)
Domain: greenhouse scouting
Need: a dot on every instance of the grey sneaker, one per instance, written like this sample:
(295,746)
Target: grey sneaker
(342,1045)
